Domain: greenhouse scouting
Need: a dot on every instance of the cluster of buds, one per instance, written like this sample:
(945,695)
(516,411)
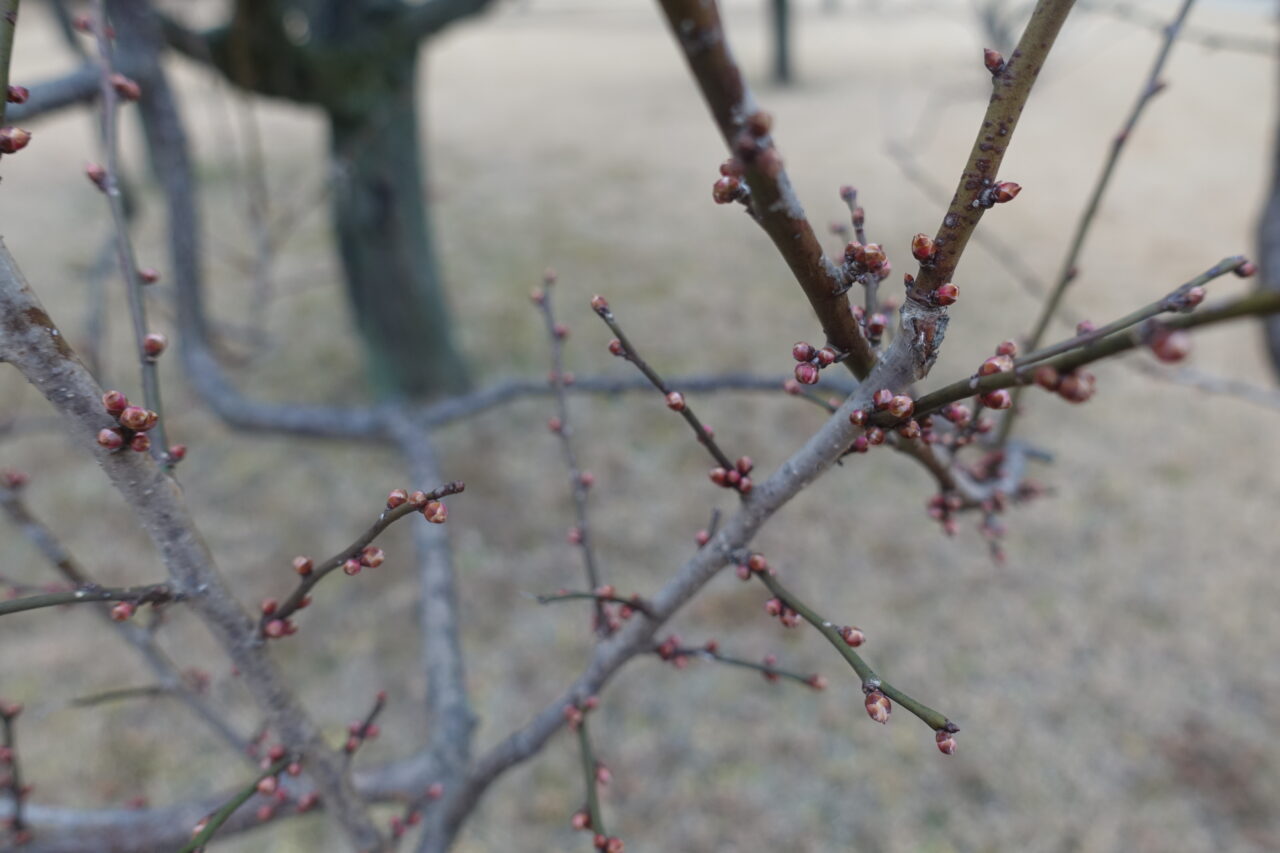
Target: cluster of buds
(996,192)
(611,614)
(737,478)
(134,423)
(960,416)
(729,187)
(608,844)
(400,825)
(670,650)
(13,139)
(755,564)
(809,361)
(275,628)
(370,557)
(359,731)
(433,511)
(863,262)
(900,407)
(942,509)
(574,714)
(1169,345)
(1074,387)
(752,146)
(777,608)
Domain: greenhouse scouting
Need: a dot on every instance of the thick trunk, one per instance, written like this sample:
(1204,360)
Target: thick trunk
(384,239)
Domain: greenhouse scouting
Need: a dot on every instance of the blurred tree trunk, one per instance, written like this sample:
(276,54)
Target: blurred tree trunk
(357,60)
(780,30)
(1269,249)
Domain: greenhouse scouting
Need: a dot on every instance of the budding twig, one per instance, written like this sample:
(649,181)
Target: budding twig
(579,481)
(870,681)
(635,602)
(366,729)
(159,593)
(206,828)
(314,574)
(12,771)
(678,403)
(711,652)
(110,184)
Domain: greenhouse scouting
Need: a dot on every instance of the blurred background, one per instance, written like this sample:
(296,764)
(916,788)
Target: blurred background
(1114,678)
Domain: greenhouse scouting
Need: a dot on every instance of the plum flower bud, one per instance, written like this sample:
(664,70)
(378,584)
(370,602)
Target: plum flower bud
(858,417)
(18,94)
(901,406)
(580,820)
(878,706)
(303,565)
(909,430)
(372,556)
(148,275)
(125,88)
(996,364)
(922,248)
(675,401)
(123,611)
(993,60)
(726,189)
(397,497)
(13,139)
(826,356)
(999,399)
(807,374)
(852,636)
(875,436)
(140,443)
(876,324)
(873,255)
(802,351)
(1246,269)
(352,567)
(946,742)
(114,402)
(946,294)
(154,344)
(882,398)
(773,607)
(1005,191)
(1171,346)
(96,174)
(1047,377)
(436,512)
(133,417)
(817,682)
(1009,348)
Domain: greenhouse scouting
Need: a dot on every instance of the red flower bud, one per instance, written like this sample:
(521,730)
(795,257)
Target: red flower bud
(817,682)
(1005,191)
(726,190)
(1009,348)
(876,324)
(140,443)
(177,453)
(946,742)
(275,629)
(946,294)
(855,252)
(922,248)
(858,417)
(269,606)
(122,611)
(133,417)
(873,256)
(1047,377)
(878,706)
(901,406)
(860,444)
(1246,269)
(435,512)
(909,430)
(154,344)
(882,398)
(1171,346)
(802,351)
(13,139)
(148,275)
(996,364)
(732,168)
(759,123)
(875,436)
(372,556)
(993,60)
(852,636)
(999,399)
(114,402)
(397,497)
(125,88)
(555,424)
(18,94)
(826,356)
(807,374)
(675,401)
(98,175)
(615,347)
(352,567)
(303,565)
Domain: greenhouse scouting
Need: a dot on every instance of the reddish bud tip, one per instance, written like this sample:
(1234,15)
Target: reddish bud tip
(303,565)
(817,682)
(826,356)
(993,60)
(1246,269)
(860,444)
(858,417)
(13,139)
(1009,348)
(999,399)
(875,436)
(1005,191)
(773,607)
(148,275)
(946,742)
(878,706)
(352,567)
(18,94)
(96,174)
(555,424)
(1047,377)
(732,168)
(852,636)
(901,406)
(275,629)
(177,453)
(675,401)
(757,563)
(537,296)
(807,373)
(922,248)
(1171,346)
(140,443)
(726,190)
(133,417)
(15,479)
(1084,327)
(759,123)
(719,476)
(803,352)
(397,497)
(745,486)
(123,611)
(371,556)
(125,87)
(996,364)
(881,399)
(435,512)
(114,402)
(154,344)
(269,606)
(946,294)
(873,255)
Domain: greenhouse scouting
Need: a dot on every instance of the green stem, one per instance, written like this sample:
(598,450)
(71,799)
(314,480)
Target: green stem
(935,720)
(215,821)
(589,774)
(153,593)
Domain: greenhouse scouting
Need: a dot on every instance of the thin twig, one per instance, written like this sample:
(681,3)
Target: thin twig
(770,671)
(635,602)
(158,593)
(19,832)
(214,822)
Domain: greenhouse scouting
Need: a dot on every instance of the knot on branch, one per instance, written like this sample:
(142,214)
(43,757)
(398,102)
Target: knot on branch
(923,328)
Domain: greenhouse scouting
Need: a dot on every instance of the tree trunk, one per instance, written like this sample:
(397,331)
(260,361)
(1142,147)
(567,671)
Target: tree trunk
(384,239)
(1269,251)
(780,20)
